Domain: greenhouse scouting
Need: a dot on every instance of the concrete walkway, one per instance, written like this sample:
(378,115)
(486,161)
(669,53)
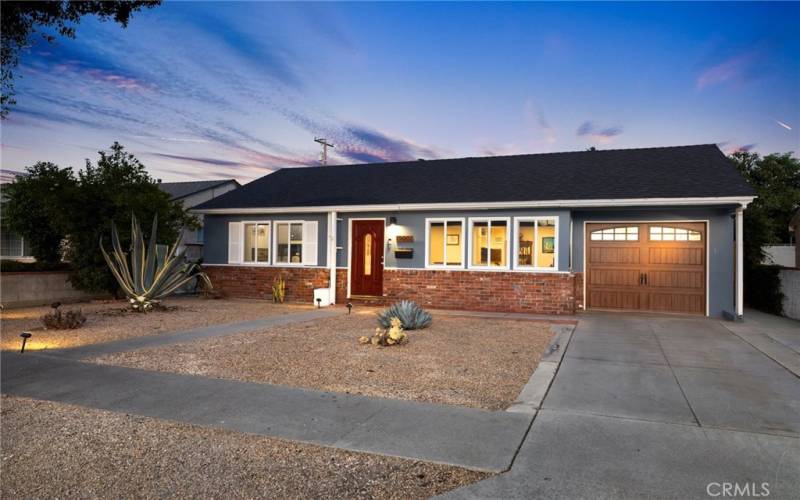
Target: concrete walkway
(657,406)
(135,343)
(471,438)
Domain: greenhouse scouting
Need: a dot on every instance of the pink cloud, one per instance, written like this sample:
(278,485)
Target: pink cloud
(732,70)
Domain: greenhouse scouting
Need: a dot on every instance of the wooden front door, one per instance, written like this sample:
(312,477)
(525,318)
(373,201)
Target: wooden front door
(658,266)
(366,264)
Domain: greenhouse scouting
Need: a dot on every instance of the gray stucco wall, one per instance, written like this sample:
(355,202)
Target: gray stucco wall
(720,244)
(215,248)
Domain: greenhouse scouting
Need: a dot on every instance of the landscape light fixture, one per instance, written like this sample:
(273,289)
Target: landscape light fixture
(25,336)
(319,302)
(349,307)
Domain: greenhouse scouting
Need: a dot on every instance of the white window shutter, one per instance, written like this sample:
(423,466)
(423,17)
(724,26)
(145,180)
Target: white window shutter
(310,243)
(234,242)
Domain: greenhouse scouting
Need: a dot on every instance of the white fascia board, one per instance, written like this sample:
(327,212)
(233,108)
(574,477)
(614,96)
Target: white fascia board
(623,202)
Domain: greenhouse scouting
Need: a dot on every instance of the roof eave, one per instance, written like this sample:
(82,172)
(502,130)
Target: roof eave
(404,207)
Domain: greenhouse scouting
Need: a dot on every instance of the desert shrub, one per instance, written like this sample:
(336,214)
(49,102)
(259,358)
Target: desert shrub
(394,335)
(279,290)
(411,315)
(69,320)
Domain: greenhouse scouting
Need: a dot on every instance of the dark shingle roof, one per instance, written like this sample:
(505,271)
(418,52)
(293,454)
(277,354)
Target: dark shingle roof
(668,172)
(178,190)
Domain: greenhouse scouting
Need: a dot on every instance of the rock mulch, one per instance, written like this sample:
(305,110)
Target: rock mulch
(113,320)
(474,362)
(52,450)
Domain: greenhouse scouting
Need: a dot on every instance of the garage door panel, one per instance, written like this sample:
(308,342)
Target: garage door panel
(677,255)
(647,266)
(614,255)
(677,302)
(610,299)
(692,280)
(615,277)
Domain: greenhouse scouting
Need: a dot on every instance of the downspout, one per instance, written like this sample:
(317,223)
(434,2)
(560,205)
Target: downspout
(332,256)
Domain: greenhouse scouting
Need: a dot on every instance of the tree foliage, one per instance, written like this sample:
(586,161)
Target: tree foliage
(110,190)
(35,208)
(22,20)
(776,179)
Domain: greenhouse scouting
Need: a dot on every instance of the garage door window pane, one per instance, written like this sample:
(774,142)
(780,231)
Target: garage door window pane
(628,233)
(666,233)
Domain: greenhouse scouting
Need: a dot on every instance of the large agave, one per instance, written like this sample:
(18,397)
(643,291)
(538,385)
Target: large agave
(412,316)
(155,271)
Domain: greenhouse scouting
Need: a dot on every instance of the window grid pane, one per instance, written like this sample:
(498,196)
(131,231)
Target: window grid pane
(629,233)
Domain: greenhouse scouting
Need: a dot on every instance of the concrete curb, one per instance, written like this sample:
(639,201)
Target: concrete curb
(530,398)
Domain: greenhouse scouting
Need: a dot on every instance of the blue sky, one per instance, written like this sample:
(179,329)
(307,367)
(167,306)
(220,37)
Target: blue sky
(218,90)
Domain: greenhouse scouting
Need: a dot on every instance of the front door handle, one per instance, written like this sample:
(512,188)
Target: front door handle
(645,278)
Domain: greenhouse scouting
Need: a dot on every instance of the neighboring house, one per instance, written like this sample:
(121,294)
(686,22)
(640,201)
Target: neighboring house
(653,229)
(191,194)
(12,245)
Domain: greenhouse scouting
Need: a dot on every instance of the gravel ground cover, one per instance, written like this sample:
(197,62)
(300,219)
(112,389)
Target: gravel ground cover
(112,320)
(474,362)
(53,450)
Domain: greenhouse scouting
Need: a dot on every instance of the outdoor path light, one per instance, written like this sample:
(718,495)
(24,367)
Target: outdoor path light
(349,307)
(319,302)
(25,336)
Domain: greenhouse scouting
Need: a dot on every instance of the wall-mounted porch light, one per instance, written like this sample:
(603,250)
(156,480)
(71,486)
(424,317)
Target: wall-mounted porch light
(392,221)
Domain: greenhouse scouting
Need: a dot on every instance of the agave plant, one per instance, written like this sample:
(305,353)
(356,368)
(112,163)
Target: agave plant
(412,316)
(155,271)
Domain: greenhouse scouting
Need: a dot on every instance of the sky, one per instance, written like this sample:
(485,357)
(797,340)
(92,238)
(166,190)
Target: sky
(217,90)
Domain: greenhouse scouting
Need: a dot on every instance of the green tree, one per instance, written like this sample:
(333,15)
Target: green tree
(21,20)
(117,186)
(49,205)
(776,179)
(34,208)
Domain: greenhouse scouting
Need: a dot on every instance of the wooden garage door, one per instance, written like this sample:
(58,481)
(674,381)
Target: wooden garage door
(654,266)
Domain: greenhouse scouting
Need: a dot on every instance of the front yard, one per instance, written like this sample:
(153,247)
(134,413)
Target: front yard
(53,450)
(113,320)
(474,362)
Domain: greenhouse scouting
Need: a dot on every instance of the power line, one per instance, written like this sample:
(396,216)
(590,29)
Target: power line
(325,146)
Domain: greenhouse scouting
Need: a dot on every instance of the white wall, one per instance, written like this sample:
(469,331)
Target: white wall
(790,286)
(779,255)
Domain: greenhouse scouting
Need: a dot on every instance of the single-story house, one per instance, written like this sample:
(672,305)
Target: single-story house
(652,229)
(190,194)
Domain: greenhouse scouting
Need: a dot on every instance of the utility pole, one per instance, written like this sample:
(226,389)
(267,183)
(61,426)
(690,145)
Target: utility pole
(325,146)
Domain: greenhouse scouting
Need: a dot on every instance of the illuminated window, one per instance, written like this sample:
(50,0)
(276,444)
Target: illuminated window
(256,242)
(489,243)
(536,245)
(289,238)
(665,233)
(628,233)
(368,254)
(445,242)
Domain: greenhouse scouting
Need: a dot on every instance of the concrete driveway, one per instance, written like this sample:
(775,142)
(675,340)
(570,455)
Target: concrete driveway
(666,407)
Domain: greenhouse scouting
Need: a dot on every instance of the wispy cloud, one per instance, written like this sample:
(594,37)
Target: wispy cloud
(364,144)
(197,159)
(784,125)
(730,147)
(602,135)
(734,70)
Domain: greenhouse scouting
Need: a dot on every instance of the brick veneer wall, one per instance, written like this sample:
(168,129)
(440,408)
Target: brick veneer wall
(256,282)
(547,293)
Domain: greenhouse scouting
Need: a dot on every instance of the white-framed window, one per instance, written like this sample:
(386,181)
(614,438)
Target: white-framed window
(256,242)
(444,243)
(12,244)
(536,243)
(489,243)
(295,243)
(281,243)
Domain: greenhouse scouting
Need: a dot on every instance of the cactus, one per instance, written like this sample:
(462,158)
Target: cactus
(392,336)
(279,290)
(411,316)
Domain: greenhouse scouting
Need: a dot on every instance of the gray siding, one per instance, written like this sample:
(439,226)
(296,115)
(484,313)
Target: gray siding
(215,249)
(413,223)
(720,244)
